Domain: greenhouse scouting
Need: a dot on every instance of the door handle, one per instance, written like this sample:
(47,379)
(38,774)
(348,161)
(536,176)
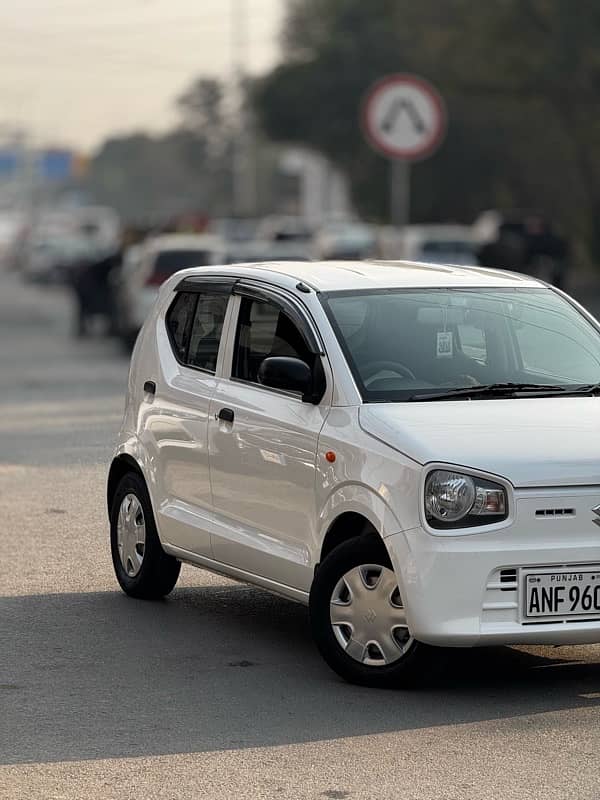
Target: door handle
(226,414)
(150,387)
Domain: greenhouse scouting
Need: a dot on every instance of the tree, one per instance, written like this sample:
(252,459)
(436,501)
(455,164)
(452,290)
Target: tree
(186,170)
(202,109)
(521,79)
(189,169)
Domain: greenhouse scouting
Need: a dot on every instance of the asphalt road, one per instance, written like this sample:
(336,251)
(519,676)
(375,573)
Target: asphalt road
(218,692)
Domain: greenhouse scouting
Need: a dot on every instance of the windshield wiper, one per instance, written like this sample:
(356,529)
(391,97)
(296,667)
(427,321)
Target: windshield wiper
(501,390)
(583,388)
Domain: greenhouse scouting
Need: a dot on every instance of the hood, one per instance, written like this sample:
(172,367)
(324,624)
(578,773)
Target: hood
(530,442)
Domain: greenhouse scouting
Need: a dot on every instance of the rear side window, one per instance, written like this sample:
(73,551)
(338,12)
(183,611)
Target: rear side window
(179,322)
(195,323)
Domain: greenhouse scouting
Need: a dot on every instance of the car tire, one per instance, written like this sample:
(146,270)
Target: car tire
(381,655)
(142,567)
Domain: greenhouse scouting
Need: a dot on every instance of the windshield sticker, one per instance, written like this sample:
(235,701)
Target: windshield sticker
(445,345)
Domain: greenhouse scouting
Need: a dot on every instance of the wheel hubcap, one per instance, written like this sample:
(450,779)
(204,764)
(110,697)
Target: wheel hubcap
(131,535)
(368,617)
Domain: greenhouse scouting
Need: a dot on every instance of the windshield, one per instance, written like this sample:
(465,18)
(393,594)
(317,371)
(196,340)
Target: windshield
(402,342)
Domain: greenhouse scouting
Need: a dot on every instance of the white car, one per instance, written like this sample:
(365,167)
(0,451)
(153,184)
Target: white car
(149,264)
(54,258)
(410,449)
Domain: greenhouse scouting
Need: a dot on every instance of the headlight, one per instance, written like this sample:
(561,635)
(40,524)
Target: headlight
(454,500)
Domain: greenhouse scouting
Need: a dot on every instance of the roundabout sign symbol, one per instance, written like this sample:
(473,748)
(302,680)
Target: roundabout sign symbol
(403,118)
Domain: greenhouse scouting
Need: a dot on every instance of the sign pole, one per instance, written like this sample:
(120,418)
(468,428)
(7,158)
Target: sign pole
(404,119)
(399,193)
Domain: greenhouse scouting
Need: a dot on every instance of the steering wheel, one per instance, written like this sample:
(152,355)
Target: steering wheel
(371,368)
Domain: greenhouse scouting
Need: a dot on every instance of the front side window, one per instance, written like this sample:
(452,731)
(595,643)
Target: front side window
(195,323)
(560,348)
(265,330)
(402,343)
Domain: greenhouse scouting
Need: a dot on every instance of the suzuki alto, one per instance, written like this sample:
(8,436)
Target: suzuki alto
(411,450)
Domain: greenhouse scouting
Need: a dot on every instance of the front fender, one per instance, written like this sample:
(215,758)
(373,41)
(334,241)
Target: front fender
(369,504)
(360,499)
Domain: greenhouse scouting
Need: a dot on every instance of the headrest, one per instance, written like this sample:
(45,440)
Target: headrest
(449,315)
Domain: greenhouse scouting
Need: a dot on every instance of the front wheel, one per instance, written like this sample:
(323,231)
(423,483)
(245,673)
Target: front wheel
(142,567)
(359,621)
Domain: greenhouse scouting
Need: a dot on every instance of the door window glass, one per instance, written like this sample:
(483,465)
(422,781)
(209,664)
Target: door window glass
(206,331)
(473,341)
(559,346)
(179,322)
(265,330)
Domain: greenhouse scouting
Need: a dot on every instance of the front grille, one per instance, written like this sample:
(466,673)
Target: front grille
(509,578)
(500,602)
(555,512)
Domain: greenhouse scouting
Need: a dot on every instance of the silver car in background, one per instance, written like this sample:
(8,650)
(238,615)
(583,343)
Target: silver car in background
(147,265)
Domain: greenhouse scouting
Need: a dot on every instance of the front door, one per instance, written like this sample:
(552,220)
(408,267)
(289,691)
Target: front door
(263,450)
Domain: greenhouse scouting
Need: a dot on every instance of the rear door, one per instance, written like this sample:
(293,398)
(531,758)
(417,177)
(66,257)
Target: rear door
(263,449)
(177,419)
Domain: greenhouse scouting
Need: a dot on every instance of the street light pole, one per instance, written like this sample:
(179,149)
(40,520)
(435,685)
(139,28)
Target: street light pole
(243,173)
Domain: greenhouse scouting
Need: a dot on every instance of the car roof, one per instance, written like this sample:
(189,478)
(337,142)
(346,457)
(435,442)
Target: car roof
(328,276)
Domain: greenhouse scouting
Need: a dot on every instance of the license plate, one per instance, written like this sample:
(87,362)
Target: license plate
(568,593)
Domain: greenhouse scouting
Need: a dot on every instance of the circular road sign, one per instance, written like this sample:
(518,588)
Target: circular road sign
(404,117)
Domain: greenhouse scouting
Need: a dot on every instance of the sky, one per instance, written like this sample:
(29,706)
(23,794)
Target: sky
(73,72)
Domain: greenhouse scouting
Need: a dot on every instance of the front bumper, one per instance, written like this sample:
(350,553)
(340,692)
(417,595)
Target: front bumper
(466,590)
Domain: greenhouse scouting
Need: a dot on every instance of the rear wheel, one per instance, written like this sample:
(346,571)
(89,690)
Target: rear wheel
(142,567)
(359,620)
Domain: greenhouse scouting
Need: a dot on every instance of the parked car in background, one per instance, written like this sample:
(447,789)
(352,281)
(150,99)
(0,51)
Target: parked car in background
(345,239)
(51,257)
(234,230)
(409,449)
(257,251)
(284,228)
(433,244)
(100,225)
(12,226)
(55,242)
(148,265)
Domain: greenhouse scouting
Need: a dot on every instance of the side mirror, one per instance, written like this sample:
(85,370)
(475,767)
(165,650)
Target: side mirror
(284,372)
